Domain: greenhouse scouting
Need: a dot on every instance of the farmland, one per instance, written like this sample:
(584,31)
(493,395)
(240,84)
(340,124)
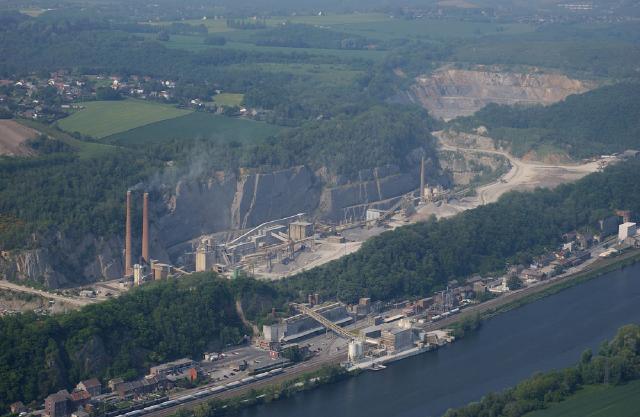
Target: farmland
(99,119)
(196,126)
(228,99)
(13,137)
(598,401)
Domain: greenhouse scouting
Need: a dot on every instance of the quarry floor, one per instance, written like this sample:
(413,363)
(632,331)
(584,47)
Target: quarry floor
(523,176)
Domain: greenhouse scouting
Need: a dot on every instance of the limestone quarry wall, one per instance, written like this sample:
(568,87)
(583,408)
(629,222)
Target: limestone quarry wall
(449,93)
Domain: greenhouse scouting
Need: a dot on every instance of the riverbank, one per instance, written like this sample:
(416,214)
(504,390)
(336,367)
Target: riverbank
(248,395)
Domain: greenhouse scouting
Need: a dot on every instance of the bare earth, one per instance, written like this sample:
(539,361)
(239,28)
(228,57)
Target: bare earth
(523,176)
(12,138)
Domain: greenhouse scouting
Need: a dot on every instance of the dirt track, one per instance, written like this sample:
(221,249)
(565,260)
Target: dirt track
(12,138)
(524,175)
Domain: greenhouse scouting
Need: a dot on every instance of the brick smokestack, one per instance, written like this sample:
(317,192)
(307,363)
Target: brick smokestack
(422,178)
(145,228)
(128,270)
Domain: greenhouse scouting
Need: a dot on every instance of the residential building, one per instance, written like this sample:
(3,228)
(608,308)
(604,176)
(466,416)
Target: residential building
(93,386)
(58,404)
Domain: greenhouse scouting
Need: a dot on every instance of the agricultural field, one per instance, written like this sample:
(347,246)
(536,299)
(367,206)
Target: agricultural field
(99,119)
(197,125)
(431,29)
(228,99)
(598,401)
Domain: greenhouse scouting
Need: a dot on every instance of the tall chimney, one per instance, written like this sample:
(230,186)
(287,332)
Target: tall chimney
(422,179)
(128,270)
(145,228)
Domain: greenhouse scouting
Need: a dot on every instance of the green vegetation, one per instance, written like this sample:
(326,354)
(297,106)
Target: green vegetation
(198,125)
(103,118)
(597,401)
(574,391)
(73,196)
(228,99)
(148,325)
(416,260)
(601,121)
(84,148)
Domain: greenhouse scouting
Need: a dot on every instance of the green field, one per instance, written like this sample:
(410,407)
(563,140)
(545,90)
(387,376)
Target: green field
(104,118)
(598,401)
(431,29)
(85,149)
(228,99)
(197,125)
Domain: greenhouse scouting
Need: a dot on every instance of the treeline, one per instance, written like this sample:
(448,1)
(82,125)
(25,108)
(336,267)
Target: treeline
(345,145)
(616,362)
(117,338)
(307,36)
(63,193)
(416,260)
(604,120)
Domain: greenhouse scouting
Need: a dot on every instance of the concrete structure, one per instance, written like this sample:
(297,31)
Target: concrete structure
(422,192)
(138,274)
(374,214)
(178,366)
(58,404)
(626,230)
(272,333)
(141,386)
(397,339)
(301,325)
(93,386)
(145,228)
(356,351)
(300,230)
(205,259)
(160,271)
(128,270)
(625,214)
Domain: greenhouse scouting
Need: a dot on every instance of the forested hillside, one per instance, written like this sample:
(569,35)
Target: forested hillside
(122,337)
(617,361)
(415,260)
(601,121)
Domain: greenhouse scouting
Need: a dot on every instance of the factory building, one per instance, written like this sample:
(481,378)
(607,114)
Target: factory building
(300,230)
(397,339)
(301,325)
(626,230)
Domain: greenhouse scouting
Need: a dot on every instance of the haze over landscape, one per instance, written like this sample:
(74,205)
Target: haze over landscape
(274,207)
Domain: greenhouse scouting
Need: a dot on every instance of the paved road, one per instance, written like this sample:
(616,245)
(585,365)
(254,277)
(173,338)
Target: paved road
(69,300)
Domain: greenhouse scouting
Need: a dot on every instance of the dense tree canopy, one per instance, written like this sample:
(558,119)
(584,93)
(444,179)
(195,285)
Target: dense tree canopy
(123,337)
(601,121)
(418,259)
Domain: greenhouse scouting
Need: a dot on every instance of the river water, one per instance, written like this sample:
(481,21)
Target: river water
(547,334)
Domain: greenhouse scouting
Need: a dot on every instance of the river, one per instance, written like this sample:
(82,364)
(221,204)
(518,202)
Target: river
(546,334)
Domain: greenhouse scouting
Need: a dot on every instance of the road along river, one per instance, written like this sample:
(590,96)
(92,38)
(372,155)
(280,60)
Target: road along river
(546,334)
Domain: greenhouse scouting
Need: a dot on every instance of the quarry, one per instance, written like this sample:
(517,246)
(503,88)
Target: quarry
(449,93)
(276,223)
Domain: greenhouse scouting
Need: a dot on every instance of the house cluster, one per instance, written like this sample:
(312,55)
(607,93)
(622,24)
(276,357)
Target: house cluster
(88,395)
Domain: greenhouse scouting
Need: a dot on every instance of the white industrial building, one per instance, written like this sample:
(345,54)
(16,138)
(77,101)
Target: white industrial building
(626,230)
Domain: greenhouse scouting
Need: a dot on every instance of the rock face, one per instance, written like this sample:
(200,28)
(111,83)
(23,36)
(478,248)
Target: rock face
(229,201)
(216,203)
(449,93)
(57,262)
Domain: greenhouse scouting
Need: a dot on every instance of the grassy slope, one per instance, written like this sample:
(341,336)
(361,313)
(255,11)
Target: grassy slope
(103,118)
(598,401)
(228,99)
(194,126)
(85,149)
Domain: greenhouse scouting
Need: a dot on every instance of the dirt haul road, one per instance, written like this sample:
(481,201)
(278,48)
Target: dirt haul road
(524,175)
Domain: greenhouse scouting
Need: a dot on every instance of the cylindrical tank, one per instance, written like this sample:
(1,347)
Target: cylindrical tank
(356,350)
